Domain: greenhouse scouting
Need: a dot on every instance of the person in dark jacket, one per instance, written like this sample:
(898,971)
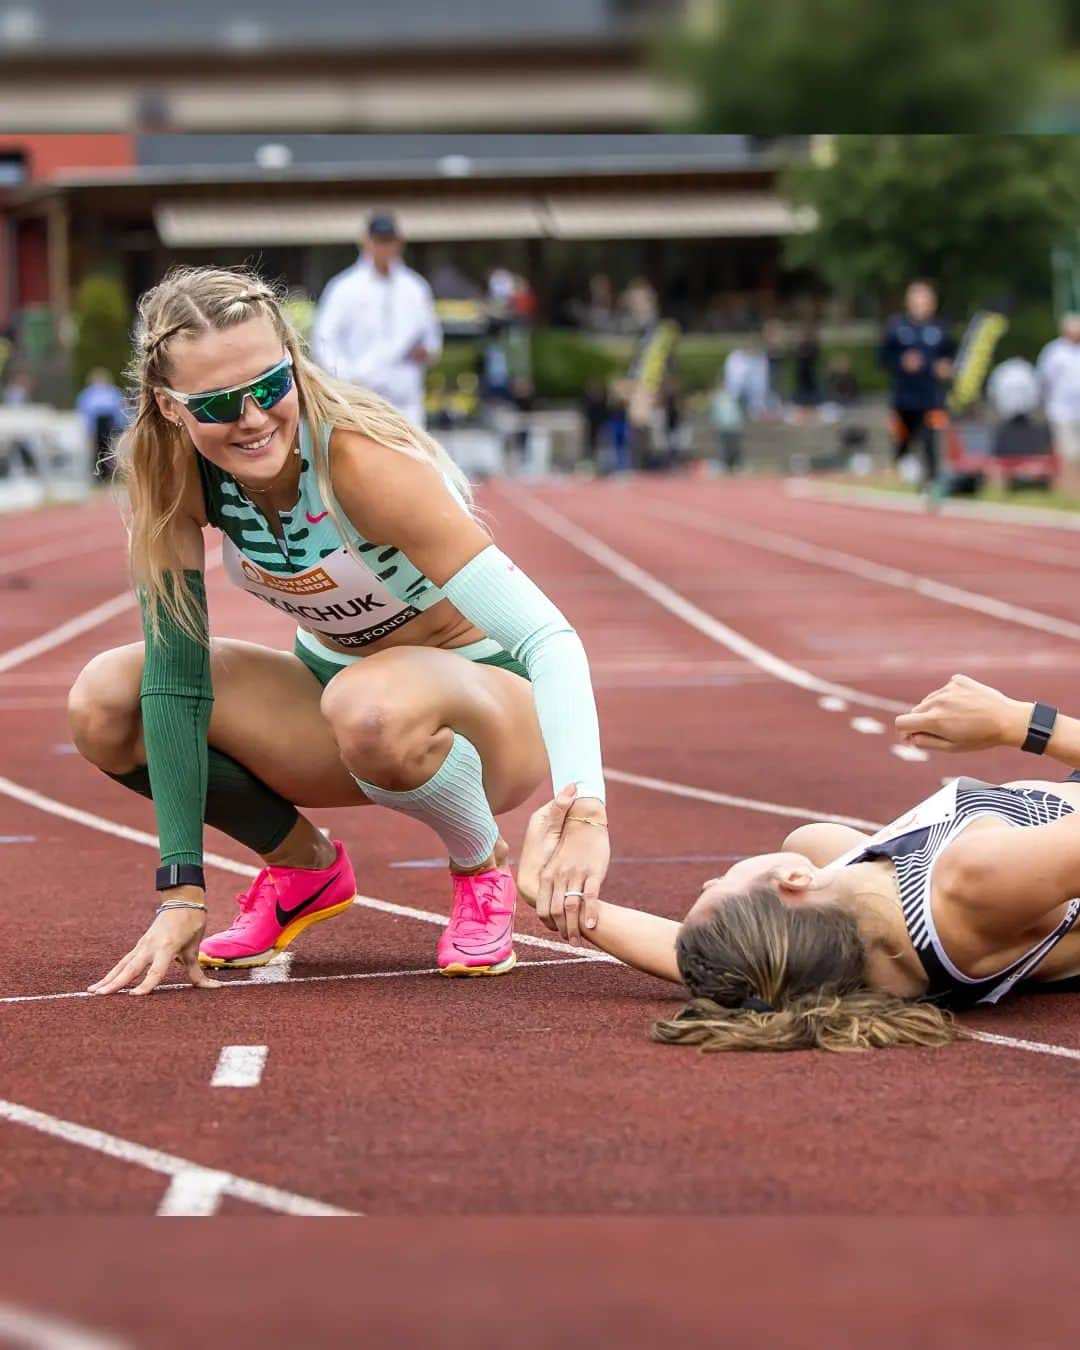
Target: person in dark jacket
(917,351)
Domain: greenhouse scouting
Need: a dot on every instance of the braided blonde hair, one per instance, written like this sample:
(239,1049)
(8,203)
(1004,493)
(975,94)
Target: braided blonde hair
(157,459)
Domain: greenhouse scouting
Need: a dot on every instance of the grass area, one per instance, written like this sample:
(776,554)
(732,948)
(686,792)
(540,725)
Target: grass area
(1045,499)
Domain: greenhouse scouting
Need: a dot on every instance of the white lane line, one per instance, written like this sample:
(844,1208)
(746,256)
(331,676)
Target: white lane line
(167,1164)
(684,609)
(194,1194)
(94,822)
(868,726)
(81,623)
(19,562)
(240,1066)
(831,704)
(25,1330)
(584,958)
(912,753)
(1014,1043)
(726,799)
(1020,517)
(863,568)
(276,970)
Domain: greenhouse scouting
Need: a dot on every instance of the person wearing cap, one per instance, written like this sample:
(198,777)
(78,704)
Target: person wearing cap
(375,324)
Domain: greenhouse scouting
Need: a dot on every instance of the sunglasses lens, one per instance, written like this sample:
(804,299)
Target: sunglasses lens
(272,388)
(229,407)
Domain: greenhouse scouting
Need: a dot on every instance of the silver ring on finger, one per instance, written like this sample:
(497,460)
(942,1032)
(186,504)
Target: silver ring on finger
(567,894)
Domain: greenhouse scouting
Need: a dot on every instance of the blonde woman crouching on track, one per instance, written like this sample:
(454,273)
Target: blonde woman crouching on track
(849,941)
(428,675)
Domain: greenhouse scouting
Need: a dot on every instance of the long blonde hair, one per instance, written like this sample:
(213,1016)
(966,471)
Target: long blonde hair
(157,458)
(768,976)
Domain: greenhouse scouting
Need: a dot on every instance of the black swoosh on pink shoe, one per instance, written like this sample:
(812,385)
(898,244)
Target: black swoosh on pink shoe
(286,916)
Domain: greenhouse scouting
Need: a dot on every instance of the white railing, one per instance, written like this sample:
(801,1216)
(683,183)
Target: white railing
(45,455)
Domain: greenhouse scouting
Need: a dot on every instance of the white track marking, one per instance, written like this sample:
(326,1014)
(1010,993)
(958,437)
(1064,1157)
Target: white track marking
(240,1066)
(912,753)
(22,1329)
(81,623)
(868,726)
(195,1194)
(167,1164)
(11,562)
(56,637)
(1023,516)
(674,603)
(870,571)
(94,822)
(568,960)
(725,799)
(1035,1047)
(276,970)
(831,704)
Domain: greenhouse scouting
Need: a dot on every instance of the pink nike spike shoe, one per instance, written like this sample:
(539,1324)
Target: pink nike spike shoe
(280,903)
(479,939)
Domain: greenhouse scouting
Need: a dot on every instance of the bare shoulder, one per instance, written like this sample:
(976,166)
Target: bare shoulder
(399,497)
(823,841)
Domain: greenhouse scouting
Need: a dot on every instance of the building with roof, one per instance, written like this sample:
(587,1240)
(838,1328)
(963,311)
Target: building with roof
(699,215)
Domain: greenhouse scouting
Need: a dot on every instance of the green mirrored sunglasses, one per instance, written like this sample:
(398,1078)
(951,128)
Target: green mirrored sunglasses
(227,405)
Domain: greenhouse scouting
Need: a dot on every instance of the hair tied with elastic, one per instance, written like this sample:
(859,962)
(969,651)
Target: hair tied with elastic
(754,1004)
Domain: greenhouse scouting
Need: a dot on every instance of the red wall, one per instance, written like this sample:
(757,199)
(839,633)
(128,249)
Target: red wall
(48,155)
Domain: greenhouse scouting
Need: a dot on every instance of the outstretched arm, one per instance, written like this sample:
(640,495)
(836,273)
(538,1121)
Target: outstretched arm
(644,941)
(967,715)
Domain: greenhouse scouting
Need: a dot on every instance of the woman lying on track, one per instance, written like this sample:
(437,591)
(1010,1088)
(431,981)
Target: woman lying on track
(850,941)
(429,674)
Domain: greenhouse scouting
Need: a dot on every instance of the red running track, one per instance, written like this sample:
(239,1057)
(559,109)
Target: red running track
(391,1092)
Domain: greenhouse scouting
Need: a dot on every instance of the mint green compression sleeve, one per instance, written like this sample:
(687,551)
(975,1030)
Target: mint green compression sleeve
(494,594)
(176,697)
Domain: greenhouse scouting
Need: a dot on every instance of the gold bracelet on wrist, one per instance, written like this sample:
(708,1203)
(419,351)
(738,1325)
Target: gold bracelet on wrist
(585,820)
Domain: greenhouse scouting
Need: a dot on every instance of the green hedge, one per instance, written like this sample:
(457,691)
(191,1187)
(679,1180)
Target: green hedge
(564,362)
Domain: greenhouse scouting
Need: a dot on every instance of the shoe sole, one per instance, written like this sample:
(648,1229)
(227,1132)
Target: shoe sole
(286,936)
(500,968)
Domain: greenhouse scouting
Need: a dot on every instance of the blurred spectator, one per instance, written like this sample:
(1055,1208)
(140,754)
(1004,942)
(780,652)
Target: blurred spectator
(1059,374)
(917,351)
(747,377)
(18,389)
(101,406)
(1013,389)
(596,410)
(18,392)
(776,349)
(501,286)
(523,304)
(618,426)
(806,354)
(841,386)
(639,305)
(726,419)
(376,323)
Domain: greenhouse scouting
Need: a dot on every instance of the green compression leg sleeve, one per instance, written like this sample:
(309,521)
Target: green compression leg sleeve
(237,803)
(176,697)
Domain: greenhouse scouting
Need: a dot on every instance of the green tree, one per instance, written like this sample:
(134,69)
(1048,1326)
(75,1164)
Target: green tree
(977,214)
(777,67)
(102,328)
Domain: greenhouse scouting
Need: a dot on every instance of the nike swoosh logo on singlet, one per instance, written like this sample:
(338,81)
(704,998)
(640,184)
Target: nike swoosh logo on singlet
(286,916)
(314,520)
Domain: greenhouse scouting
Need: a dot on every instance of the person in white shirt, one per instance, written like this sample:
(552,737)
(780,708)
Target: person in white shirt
(1013,389)
(1059,374)
(375,324)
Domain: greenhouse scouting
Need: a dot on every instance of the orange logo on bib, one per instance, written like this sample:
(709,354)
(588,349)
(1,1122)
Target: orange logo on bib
(304,583)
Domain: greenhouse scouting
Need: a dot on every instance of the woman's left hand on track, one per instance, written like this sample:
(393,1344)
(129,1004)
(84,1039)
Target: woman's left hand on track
(173,936)
(563,853)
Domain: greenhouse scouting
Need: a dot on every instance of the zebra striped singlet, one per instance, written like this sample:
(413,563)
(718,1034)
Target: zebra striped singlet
(914,843)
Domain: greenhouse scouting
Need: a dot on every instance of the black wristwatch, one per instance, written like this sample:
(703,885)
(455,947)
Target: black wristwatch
(179,874)
(1040,728)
